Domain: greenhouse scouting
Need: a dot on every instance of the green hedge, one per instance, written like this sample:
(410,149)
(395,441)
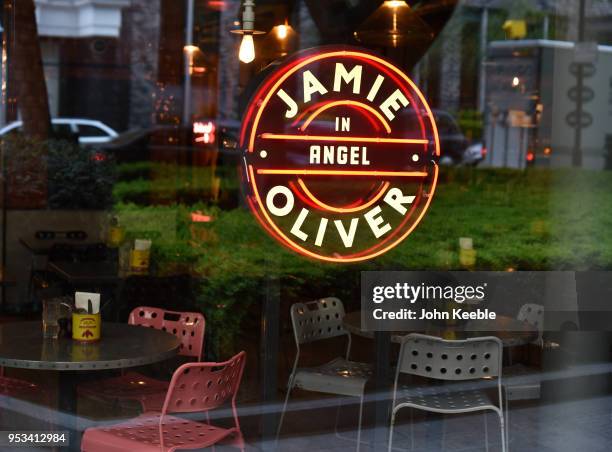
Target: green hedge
(143,183)
(521,220)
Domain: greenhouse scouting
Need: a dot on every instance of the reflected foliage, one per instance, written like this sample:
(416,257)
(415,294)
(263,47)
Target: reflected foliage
(79,178)
(57,174)
(520,220)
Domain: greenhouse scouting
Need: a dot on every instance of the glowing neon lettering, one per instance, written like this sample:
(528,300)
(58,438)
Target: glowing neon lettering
(339,155)
(321,231)
(392,103)
(375,87)
(396,199)
(312,85)
(289,201)
(295,229)
(293,107)
(342,74)
(375,220)
(347,237)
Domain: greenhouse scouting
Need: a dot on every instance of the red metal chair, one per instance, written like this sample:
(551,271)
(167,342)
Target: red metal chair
(195,387)
(189,327)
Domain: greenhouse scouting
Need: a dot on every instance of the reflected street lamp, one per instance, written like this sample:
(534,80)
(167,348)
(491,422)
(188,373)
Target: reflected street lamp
(188,54)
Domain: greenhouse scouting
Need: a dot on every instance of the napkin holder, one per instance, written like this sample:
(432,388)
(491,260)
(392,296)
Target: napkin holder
(86,318)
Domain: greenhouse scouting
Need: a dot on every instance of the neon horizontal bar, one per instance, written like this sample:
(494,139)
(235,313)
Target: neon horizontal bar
(275,136)
(343,173)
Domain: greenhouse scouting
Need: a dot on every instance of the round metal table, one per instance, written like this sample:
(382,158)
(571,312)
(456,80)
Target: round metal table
(23,346)
(510,331)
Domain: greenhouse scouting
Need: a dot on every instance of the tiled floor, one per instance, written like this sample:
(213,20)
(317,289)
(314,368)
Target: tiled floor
(575,426)
(571,426)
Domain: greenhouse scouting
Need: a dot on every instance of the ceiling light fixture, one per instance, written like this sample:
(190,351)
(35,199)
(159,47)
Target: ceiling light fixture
(246,54)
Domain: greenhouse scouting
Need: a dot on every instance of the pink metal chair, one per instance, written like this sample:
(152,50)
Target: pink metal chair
(14,387)
(189,327)
(195,387)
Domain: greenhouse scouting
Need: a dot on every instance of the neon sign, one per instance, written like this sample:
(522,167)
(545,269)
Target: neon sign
(340,151)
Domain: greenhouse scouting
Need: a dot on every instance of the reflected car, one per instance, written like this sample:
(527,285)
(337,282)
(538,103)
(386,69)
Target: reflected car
(167,142)
(138,144)
(474,154)
(453,143)
(88,131)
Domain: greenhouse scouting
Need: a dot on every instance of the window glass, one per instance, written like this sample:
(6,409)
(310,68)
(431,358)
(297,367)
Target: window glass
(90,131)
(285,172)
(62,129)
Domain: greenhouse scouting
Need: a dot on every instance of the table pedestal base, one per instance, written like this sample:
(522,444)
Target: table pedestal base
(67,405)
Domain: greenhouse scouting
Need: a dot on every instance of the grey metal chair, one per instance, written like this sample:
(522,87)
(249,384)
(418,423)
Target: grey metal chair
(315,321)
(473,362)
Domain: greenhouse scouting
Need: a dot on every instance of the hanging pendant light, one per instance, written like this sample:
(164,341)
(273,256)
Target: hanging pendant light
(394,24)
(281,40)
(246,54)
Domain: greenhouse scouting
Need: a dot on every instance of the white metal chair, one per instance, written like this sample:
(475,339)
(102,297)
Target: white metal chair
(315,321)
(474,362)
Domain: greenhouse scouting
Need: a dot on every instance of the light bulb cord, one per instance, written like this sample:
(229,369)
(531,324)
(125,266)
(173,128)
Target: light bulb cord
(248,15)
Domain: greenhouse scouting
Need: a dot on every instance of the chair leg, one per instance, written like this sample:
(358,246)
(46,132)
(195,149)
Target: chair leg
(337,418)
(486,430)
(347,438)
(282,417)
(411,428)
(443,432)
(391,431)
(507,419)
(240,444)
(359,422)
(503,433)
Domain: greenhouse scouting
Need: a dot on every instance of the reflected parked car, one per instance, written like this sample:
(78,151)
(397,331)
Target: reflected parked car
(166,141)
(89,131)
(453,143)
(474,154)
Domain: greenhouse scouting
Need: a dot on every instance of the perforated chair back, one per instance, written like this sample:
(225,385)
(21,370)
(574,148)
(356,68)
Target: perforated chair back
(189,327)
(533,314)
(204,386)
(441,359)
(317,320)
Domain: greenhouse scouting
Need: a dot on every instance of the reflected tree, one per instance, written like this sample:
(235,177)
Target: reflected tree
(28,77)
(25,168)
